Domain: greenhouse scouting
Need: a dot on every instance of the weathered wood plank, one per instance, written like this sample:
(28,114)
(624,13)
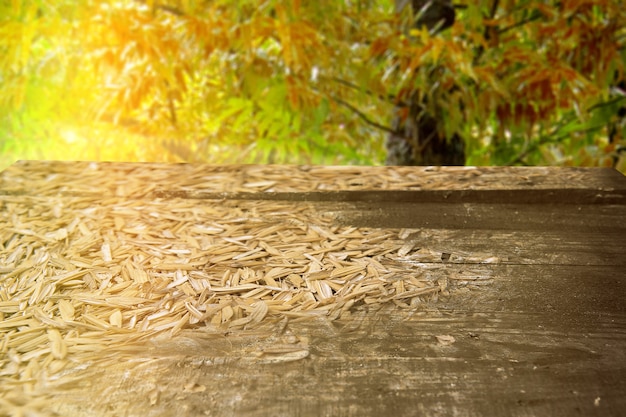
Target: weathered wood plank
(529,319)
(44,177)
(499,364)
(539,341)
(500,373)
(531,247)
(504,216)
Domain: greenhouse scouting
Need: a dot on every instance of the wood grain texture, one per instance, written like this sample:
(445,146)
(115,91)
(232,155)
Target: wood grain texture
(541,341)
(538,330)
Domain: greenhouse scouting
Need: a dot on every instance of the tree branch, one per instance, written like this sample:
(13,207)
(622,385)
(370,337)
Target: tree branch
(362,115)
(536,15)
(169,9)
(606,103)
(492,12)
(550,137)
(389,98)
(487,32)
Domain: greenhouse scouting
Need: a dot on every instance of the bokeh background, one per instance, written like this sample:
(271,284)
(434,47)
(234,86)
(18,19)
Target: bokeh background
(310,82)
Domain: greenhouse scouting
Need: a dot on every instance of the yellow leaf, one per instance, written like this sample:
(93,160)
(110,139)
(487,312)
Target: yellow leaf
(296,7)
(29,28)
(292,91)
(378,47)
(436,49)
(421,33)
(20,90)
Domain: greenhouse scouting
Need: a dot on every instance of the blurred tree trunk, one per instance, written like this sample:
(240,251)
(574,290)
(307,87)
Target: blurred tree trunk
(418,137)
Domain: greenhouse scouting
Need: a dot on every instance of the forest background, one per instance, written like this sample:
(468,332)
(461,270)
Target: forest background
(528,82)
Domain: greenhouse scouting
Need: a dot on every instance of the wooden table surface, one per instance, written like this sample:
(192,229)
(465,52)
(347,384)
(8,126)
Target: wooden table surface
(541,330)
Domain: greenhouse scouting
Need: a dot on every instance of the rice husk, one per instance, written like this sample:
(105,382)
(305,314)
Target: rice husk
(89,259)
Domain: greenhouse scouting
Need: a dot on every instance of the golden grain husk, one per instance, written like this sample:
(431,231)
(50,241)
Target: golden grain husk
(89,258)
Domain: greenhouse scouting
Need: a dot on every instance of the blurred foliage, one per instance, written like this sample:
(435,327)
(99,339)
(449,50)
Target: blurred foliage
(268,81)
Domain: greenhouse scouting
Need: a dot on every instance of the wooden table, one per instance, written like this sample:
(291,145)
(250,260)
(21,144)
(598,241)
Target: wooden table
(530,320)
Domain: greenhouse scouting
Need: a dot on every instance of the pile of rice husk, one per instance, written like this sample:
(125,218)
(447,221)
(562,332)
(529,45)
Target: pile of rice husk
(90,258)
